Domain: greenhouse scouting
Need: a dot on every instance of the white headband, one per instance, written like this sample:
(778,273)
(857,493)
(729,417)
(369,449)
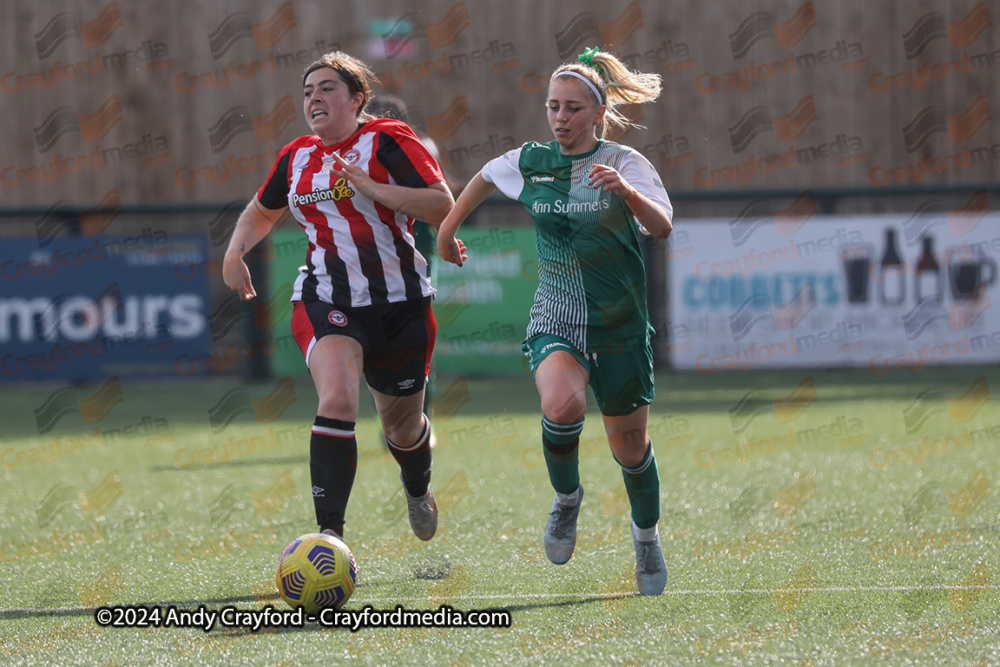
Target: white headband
(569,72)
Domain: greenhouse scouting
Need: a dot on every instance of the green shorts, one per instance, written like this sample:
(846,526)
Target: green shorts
(622,381)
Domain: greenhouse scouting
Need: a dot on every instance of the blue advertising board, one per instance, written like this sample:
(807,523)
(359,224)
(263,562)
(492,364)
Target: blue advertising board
(93,307)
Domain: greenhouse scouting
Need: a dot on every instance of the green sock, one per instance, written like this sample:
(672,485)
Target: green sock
(562,457)
(643,485)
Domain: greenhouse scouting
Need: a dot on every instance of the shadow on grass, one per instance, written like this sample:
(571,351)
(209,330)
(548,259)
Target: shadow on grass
(313,627)
(16,614)
(74,612)
(80,612)
(569,603)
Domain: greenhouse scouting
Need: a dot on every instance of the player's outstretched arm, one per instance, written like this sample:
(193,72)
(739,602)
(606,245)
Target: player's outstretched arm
(475,193)
(255,222)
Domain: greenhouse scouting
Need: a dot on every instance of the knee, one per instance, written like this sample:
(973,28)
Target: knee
(629,458)
(404,430)
(565,407)
(629,452)
(338,407)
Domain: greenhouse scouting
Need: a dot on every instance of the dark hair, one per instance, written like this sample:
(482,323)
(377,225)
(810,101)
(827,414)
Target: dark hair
(388,106)
(355,74)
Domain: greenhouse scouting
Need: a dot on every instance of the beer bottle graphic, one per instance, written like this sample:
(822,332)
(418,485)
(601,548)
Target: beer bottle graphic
(891,273)
(928,281)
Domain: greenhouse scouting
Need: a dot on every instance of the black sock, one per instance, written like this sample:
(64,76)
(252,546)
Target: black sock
(333,462)
(415,462)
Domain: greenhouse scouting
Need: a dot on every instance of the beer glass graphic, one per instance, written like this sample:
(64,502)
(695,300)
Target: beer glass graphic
(857,261)
(969,269)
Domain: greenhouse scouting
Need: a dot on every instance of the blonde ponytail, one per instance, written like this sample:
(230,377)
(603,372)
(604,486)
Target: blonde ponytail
(617,84)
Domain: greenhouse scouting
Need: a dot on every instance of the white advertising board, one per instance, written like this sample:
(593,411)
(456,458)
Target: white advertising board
(882,291)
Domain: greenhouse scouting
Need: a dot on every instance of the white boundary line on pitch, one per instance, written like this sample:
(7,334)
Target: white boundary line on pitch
(758,591)
(597,596)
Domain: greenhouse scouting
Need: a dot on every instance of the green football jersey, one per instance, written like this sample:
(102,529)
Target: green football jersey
(591,277)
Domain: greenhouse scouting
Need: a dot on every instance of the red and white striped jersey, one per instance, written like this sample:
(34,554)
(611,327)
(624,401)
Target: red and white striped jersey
(360,252)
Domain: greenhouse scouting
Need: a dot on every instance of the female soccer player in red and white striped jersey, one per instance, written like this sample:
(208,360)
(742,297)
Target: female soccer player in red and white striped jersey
(362,300)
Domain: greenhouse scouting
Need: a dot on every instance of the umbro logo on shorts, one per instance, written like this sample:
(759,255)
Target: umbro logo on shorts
(338,318)
(406,384)
(318,492)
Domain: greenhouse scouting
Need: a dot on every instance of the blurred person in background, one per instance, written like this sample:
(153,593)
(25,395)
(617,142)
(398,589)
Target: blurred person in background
(390,106)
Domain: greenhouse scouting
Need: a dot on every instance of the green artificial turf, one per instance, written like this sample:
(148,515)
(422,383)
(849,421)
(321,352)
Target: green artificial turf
(808,518)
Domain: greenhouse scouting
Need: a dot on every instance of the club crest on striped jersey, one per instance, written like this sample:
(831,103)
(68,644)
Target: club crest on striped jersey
(338,318)
(351,156)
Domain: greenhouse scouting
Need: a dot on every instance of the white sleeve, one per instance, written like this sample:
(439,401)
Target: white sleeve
(642,176)
(505,173)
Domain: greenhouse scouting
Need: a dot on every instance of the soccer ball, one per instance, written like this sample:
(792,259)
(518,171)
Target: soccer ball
(316,572)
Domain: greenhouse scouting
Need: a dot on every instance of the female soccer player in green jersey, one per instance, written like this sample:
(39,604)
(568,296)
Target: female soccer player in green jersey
(589,199)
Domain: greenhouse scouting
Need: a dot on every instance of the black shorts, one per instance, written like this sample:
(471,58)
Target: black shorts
(396,339)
